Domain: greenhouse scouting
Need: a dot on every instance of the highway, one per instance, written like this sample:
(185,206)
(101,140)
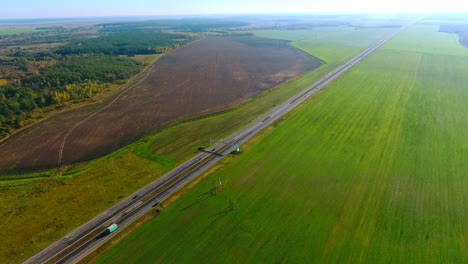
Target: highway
(88,237)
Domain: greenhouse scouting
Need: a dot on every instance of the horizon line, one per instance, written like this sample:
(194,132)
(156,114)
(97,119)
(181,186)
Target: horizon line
(242,14)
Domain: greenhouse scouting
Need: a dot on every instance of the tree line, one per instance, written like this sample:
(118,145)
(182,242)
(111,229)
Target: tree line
(182,25)
(72,79)
(128,43)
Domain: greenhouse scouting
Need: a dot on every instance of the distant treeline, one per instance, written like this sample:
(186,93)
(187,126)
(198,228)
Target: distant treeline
(460,30)
(183,25)
(72,70)
(51,35)
(128,43)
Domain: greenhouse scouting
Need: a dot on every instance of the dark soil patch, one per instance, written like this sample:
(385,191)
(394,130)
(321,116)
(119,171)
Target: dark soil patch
(204,77)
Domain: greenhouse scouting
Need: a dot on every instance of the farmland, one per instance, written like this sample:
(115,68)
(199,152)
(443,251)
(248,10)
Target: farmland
(208,76)
(373,169)
(91,187)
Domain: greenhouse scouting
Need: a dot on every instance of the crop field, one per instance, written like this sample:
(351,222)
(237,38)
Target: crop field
(335,36)
(207,76)
(329,44)
(40,208)
(16,31)
(373,169)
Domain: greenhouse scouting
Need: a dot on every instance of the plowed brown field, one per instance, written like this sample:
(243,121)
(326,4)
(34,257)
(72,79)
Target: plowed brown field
(204,77)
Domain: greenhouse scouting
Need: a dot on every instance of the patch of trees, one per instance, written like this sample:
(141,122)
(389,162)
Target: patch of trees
(76,92)
(58,35)
(129,43)
(18,63)
(460,30)
(78,69)
(17,105)
(36,56)
(72,79)
(183,25)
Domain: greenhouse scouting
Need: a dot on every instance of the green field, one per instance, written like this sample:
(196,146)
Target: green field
(17,31)
(40,208)
(336,36)
(373,169)
(329,44)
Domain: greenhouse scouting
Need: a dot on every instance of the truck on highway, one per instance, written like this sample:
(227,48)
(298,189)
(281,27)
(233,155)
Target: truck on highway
(112,228)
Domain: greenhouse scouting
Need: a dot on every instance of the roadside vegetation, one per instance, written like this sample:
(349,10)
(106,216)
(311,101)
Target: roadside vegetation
(372,170)
(40,208)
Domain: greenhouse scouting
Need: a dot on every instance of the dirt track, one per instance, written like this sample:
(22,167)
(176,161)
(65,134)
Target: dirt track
(207,76)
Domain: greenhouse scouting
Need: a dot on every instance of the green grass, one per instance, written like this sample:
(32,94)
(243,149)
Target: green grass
(41,210)
(329,44)
(335,36)
(17,31)
(374,169)
(423,39)
(147,59)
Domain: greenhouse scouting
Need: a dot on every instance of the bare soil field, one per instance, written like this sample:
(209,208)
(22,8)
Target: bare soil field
(204,77)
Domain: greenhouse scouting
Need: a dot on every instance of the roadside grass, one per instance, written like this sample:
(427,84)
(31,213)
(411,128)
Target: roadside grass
(40,211)
(373,169)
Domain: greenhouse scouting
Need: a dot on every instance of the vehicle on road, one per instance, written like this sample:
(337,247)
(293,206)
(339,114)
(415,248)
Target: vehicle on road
(112,228)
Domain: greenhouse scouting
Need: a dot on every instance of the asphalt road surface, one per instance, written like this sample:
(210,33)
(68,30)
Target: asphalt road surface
(88,237)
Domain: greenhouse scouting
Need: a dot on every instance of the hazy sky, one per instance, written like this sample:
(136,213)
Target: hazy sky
(86,8)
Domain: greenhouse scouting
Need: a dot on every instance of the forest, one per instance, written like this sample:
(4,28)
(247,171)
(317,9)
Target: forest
(79,69)
(128,43)
(182,25)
